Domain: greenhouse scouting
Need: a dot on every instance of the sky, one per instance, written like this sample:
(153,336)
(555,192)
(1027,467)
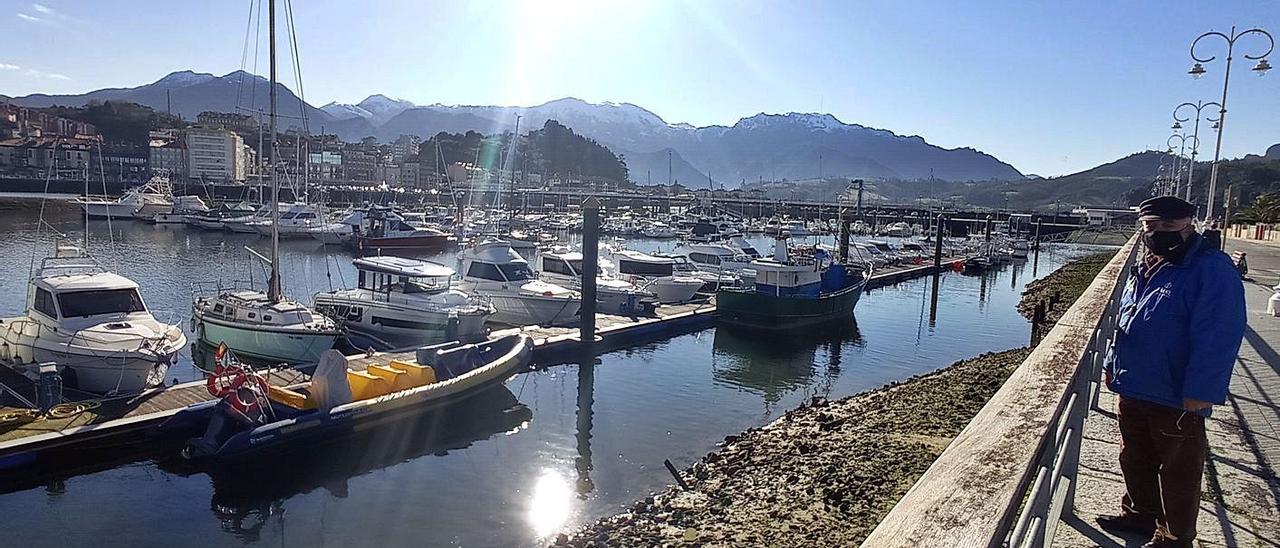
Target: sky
(1050,87)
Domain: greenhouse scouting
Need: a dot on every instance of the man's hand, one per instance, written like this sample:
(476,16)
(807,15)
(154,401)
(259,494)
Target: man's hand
(1194,405)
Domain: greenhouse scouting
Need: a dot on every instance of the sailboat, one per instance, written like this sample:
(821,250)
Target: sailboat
(267,326)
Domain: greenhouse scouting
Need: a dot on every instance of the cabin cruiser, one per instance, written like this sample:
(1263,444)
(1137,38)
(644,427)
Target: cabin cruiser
(296,222)
(247,223)
(711,281)
(381,229)
(898,230)
(494,270)
(887,250)
(215,219)
(93,325)
(143,202)
(716,257)
(183,207)
(658,229)
(797,228)
(613,295)
(400,302)
(872,254)
(655,274)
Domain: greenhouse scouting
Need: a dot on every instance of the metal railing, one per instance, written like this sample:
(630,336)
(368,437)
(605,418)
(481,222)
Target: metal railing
(1009,476)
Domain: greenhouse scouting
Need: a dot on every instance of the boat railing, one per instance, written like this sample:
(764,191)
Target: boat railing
(1010,475)
(69,266)
(217,287)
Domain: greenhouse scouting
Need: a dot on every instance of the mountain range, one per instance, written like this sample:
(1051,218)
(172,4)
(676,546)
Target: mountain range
(760,147)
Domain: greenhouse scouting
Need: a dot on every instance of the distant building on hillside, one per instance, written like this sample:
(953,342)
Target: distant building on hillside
(126,163)
(404,148)
(215,154)
(359,167)
(21,122)
(41,157)
(243,124)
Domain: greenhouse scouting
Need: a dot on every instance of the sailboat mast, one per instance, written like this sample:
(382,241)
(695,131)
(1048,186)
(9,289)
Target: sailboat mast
(273,283)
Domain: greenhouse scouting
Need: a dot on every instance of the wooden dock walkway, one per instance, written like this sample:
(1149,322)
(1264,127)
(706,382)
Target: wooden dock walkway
(130,417)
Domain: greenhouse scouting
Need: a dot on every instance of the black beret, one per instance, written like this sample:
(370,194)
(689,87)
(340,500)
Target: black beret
(1165,207)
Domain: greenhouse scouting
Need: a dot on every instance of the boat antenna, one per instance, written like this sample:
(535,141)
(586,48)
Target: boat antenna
(48,175)
(273,283)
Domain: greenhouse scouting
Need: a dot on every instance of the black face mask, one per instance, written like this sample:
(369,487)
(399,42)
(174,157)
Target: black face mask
(1168,244)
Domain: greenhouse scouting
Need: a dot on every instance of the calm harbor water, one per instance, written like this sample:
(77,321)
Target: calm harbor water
(560,446)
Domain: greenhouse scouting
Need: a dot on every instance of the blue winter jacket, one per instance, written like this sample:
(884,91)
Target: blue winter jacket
(1179,331)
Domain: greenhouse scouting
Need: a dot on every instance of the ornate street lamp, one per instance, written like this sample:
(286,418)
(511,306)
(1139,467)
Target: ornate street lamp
(1195,147)
(1198,70)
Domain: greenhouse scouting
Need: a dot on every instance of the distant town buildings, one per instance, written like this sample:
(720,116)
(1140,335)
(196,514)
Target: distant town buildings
(20,122)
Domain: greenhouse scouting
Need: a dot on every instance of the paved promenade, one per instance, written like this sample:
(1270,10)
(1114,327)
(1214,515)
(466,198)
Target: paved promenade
(1242,493)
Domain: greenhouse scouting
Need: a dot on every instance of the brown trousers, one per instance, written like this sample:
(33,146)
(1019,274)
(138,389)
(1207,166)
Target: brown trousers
(1162,456)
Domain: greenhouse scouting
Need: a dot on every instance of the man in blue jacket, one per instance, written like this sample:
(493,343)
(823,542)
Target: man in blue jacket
(1182,317)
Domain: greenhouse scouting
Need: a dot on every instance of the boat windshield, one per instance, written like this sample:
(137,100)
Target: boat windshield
(637,268)
(105,301)
(516,272)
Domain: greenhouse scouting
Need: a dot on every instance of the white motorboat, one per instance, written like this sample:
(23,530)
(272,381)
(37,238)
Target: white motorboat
(613,295)
(400,302)
(143,202)
(264,325)
(716,257)
(659,229)
(93,324)
(898,230)
(655,274)
(797,228)
(296,222)
(494,270)
(183,207)
(711,281)
(247,223)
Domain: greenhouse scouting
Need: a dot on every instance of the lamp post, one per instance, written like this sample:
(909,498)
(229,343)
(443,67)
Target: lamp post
(1195,148)
(1182,154)
(1198,70)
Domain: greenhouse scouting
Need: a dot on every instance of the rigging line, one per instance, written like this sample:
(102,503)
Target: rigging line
(111,235)
(48,174)
(297,64)
(244,52)
(253,94)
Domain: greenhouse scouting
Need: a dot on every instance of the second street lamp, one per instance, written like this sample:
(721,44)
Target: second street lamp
(1198,70)
(1195,147)
(1182,154)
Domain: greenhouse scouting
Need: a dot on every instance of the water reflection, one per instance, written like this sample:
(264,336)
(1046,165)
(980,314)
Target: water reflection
(772,365)
(582,434)
(551,503)
(247,496)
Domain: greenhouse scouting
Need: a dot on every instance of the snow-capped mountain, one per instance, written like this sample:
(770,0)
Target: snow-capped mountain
(763,146)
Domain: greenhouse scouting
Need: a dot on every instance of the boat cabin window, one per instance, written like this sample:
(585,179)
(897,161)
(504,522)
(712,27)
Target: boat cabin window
(751,252)
(561,266)
(106,301)
(485,271)
(44,303)
(637,268)
(424,285)
(704,258)
(516,272)
(266,317)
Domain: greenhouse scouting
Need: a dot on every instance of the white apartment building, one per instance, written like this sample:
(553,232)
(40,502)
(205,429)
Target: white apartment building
(215,154)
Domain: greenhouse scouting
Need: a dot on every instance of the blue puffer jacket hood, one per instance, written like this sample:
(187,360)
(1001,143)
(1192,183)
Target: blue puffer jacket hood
(1180,331)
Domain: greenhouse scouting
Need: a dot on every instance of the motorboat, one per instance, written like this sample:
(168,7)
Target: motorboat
(400,302)
(252,417)
(215,219)
(898,230)
(494,270)
(382,230)
(716,257)
(142,202)
(613,295)
(183,207)
(712,281)
(658,230)
(796,228)
(655,274)
(91,323)
(296,222)
(886,249)
(1020,248)
(263,324)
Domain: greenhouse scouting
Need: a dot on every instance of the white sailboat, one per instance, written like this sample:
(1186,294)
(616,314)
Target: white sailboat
(399,302)
(492,269)
(267,325)
(93,325)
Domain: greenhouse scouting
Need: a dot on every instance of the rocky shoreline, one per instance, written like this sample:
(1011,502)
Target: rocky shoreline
(825,473)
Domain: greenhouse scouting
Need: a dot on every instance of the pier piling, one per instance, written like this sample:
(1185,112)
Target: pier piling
(937,243)
(590,264)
